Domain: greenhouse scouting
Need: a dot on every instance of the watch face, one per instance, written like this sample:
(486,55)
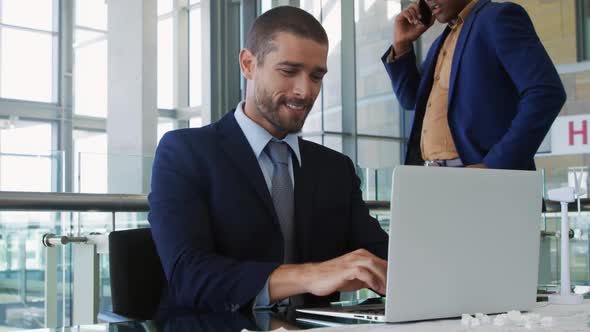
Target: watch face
(425,12)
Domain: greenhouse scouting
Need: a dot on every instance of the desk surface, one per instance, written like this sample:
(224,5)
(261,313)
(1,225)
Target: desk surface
(565,318)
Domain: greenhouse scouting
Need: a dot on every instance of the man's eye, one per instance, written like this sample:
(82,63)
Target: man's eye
(317,78)
(288,72)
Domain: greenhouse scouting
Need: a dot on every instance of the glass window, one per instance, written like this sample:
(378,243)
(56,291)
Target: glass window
(377,107)
(165,6)
(90,84)
(26,65)
(91,13)
(333,142)
(165,64)
(330,99)
(195,58)
(25,158)
(36,14)
(164,126)
(196,122)
(376,159)
(90,159)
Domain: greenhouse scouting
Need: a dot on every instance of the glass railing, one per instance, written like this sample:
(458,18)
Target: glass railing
(24,292)
(35,172)
(112,173)
(23,260)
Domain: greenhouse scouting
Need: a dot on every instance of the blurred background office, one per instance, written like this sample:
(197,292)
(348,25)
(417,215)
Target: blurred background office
(88,87)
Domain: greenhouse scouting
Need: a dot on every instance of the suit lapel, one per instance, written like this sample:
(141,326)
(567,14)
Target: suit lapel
(236,147)
(304,198)
(460,47)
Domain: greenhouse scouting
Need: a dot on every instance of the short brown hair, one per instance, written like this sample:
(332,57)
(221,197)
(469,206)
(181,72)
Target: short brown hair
(282,19)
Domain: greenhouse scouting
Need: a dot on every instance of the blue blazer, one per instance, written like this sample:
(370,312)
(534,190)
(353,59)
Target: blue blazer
(504,91)
(214,224)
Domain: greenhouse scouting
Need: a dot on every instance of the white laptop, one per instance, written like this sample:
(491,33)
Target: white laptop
(460,241)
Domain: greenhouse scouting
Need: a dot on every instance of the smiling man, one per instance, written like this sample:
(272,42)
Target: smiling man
(243,212)
(487,92)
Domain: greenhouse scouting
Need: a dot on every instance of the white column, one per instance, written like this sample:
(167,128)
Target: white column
(132,94)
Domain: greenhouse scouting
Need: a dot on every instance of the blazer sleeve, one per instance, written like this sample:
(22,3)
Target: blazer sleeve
(198,277)
(366,231)
(404,76)
(540,89)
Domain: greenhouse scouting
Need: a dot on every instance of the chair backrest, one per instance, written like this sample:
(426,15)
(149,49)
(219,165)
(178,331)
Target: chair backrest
(137,277)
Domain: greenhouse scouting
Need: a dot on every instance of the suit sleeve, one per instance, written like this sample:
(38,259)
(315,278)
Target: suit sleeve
(197,276)
(404,76)
(540,89)
(366,231)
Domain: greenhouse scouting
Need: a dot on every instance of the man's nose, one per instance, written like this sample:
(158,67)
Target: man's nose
(302,87)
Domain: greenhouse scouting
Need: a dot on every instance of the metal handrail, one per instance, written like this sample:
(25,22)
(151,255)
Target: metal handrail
(17,200)
(36,201)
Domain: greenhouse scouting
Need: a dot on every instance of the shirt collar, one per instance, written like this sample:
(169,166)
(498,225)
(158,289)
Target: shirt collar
(258,137)
(462,15)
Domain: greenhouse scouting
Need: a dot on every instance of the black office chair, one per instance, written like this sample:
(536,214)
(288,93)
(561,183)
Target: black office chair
(137,277)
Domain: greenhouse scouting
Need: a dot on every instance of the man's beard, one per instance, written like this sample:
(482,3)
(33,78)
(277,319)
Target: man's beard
(269,109)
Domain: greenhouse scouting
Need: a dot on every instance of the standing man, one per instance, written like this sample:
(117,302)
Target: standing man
(487,92)
(243,212)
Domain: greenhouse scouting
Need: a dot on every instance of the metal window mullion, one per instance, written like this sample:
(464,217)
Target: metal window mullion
(89,41)
(348,79)
(66,100)
(165,16)
(180,54)
(56,43)
(89,29)
(249,9)
(27,29)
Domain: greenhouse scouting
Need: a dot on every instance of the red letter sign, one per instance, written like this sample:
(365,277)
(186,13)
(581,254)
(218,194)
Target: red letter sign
(583,132)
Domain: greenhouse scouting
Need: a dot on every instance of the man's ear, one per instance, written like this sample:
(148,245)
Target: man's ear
(247,63)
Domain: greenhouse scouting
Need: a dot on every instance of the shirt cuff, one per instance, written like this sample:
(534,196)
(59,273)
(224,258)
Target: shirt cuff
(262,300)
(391,57)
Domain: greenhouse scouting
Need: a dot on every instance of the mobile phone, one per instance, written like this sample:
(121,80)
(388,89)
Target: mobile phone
(425,12)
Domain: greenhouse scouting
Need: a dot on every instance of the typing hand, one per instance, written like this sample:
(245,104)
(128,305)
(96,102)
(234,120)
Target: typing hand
(350,272)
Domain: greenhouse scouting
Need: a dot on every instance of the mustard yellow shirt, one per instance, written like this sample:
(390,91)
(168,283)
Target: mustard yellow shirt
(437,141)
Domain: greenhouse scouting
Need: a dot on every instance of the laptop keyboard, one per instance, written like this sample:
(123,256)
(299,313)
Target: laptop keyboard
(369,311)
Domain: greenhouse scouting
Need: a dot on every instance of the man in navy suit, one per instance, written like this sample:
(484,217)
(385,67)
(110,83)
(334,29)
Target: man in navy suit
(243,212)
(487,92)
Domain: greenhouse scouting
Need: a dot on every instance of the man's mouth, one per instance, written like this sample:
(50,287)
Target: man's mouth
(295,107)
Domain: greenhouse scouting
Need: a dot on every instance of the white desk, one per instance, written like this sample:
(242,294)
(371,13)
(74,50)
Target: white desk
(565,319)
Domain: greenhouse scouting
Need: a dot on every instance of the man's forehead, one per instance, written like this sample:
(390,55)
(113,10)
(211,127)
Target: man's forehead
(297,49)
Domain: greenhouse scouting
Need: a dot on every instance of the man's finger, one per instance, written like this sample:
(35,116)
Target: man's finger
(370,279)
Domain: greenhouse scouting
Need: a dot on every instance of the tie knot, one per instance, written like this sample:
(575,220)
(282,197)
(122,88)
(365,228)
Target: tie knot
(278,152)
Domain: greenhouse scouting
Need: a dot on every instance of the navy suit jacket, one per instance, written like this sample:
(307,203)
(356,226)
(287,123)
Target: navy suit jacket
(214,224)
(504,91)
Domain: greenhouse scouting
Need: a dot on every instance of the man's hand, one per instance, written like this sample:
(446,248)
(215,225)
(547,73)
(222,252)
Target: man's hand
(408,28)
(477,166)
(350,272)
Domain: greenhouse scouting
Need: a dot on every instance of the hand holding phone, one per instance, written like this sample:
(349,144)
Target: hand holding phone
(425,12)
(409,25)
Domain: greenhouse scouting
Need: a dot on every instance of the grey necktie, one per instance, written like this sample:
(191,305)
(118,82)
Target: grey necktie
(282,194)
